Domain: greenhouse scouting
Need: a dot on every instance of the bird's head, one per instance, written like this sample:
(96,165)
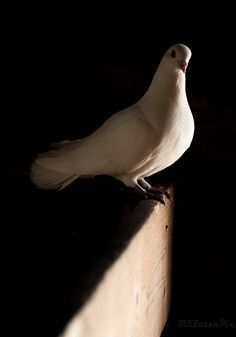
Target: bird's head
(178,57)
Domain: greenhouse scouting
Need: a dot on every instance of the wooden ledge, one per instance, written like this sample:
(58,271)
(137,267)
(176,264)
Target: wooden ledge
(133,296)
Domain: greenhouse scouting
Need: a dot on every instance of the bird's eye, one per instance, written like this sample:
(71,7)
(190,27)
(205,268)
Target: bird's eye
(173,53)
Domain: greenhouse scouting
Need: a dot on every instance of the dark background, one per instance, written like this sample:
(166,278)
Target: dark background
(69,66)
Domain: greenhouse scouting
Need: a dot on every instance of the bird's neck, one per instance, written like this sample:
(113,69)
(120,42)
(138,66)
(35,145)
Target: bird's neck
(167,83)
(165,91)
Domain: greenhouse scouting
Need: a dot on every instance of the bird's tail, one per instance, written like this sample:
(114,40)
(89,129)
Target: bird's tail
(49,171)
(49,179)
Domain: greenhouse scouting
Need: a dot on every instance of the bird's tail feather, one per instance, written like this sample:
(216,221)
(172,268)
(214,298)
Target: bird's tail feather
(52,170)
(49,179)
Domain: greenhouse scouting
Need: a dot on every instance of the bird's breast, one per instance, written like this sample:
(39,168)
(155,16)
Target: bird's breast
(175,140)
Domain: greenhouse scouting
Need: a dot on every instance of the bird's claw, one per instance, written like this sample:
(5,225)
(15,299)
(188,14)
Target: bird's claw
(156,193)
(159,197)
(160,191)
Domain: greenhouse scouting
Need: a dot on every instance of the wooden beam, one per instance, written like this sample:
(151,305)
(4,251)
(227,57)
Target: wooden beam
(133,297)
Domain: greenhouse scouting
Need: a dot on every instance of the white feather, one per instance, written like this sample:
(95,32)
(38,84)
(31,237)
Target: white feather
(133,143)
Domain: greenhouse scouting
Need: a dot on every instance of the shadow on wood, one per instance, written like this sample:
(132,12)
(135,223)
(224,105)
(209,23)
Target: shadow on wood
(133,296)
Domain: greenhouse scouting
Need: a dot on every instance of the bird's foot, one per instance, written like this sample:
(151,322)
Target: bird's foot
(148,194)
(157,193)
(156,196)
(160,191)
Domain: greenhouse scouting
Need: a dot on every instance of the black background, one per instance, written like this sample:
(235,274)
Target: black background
(69,66)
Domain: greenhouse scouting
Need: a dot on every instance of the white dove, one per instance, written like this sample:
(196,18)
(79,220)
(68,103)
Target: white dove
(135,142)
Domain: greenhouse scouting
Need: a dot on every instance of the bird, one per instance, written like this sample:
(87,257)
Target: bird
(135,142)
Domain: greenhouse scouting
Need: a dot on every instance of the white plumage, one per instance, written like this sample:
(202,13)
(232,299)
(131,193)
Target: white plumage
(134,143)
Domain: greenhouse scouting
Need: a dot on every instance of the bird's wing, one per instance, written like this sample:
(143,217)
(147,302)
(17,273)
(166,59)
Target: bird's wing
(120,145)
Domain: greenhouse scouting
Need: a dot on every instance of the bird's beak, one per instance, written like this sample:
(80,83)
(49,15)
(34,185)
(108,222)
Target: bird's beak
(183,65)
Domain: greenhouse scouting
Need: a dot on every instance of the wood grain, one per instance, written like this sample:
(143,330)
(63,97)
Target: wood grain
(133,297)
